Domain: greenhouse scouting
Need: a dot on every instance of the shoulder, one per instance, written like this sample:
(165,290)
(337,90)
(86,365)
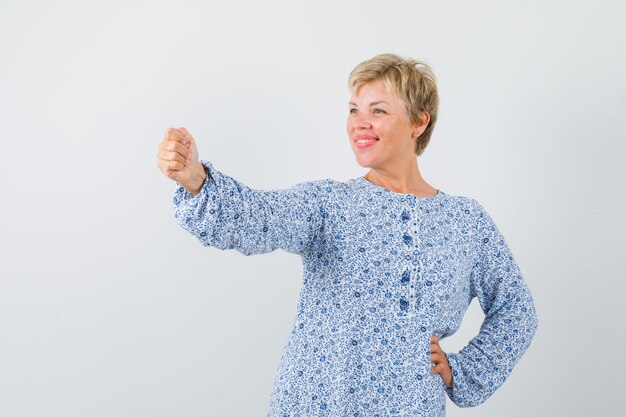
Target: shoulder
(468,210)
(317,186)
(468,205)
(327,186)
(478,217)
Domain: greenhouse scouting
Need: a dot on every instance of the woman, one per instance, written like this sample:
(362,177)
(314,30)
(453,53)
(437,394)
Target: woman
(390,262)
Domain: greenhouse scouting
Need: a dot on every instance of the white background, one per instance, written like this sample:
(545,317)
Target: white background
(109,308)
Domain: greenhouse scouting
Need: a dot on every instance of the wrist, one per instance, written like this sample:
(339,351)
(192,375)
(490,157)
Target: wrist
(451,374)
(197,179)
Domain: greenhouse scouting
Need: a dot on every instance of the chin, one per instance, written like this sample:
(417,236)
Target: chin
(364,162)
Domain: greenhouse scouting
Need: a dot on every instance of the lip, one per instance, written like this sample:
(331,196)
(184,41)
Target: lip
(365,137)
(367,144)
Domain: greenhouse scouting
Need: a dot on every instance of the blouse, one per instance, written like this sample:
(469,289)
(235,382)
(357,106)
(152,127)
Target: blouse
(382,272)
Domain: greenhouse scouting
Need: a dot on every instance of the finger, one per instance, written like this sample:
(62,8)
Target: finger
(433,369)
(434,339)
(173,156)
(440,367)
(176,166)
(174,134)
(435,347)
(437,357)
(164,166)
(168,166)
(166,155)
(185,132)
(174,146)
(166,161)
(186,136)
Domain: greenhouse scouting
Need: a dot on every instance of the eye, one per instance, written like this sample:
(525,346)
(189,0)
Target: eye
(377,110)
(352,111)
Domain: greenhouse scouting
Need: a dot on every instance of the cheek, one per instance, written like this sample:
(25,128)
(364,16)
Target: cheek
(378,128)
(350,128)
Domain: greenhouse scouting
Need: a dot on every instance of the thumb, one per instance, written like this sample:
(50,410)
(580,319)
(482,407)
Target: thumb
(185,132)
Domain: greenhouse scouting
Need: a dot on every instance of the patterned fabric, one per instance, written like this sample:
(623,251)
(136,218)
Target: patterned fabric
(383,271)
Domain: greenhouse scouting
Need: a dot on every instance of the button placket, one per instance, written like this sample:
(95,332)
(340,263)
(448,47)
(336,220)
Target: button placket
(406,279)
(414,225)
(411,294)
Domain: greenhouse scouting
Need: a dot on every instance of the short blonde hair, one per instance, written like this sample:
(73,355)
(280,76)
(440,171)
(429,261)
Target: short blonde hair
(411,80)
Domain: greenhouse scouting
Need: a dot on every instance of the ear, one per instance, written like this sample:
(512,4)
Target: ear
(418,128)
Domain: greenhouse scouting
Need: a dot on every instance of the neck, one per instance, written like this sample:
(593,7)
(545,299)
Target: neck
(406,181)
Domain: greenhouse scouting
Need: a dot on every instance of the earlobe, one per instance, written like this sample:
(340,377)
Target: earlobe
(423,119)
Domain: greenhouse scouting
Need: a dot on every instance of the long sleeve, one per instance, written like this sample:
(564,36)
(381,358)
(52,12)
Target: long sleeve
(227,214)
(510,319)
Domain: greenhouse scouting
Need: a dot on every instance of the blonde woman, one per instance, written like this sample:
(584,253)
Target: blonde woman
(390,262)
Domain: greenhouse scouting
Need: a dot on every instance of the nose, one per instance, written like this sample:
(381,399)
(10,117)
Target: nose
(361,121)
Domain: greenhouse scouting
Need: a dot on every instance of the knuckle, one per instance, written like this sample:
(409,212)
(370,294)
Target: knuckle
(173,134)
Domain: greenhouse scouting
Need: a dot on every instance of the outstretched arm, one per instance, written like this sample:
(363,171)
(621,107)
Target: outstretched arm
(227,214)
(510,319)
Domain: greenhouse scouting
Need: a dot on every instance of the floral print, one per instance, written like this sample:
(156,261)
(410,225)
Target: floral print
(382,272)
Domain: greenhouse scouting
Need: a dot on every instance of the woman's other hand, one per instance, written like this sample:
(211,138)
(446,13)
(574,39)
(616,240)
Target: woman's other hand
(177,158)
(441,366)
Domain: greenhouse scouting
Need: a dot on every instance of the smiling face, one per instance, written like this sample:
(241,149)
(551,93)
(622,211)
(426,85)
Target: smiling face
(380,131)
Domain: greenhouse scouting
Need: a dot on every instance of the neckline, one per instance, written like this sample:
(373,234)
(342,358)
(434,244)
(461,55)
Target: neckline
(380,188)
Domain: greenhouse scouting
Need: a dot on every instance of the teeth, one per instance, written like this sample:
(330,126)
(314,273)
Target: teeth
(365,140)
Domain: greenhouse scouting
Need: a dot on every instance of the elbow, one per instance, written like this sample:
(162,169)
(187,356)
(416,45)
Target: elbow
(527,319)
(532,320)
(473,402)
(533,324)
(525,326)
(470,399)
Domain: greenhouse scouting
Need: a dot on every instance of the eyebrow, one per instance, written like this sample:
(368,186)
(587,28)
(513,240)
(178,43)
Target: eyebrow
(373,103)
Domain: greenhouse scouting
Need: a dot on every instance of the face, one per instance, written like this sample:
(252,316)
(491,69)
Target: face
(379,120)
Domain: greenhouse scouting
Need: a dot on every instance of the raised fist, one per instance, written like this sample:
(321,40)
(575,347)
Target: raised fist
(177,159)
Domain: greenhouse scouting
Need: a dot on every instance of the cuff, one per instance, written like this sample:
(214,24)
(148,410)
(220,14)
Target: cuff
(456,377)
(183,195)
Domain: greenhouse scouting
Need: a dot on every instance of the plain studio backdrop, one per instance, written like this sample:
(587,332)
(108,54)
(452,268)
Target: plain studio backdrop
(109,308)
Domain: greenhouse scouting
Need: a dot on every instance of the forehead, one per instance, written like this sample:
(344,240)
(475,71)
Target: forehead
(374,90)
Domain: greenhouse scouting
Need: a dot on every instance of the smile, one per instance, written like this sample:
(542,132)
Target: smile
(364,142)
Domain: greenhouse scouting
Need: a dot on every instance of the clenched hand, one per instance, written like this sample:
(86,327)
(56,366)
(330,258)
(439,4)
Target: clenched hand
(177,158)
(441,367)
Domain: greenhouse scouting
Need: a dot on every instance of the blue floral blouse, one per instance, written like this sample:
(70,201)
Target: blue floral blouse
(383,271)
